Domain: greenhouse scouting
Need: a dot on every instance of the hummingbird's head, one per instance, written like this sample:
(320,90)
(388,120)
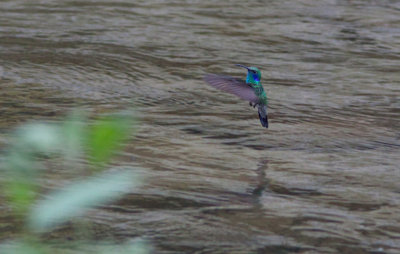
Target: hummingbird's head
(253,74)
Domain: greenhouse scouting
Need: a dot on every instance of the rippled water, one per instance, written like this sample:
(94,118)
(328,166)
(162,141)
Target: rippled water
(324,178)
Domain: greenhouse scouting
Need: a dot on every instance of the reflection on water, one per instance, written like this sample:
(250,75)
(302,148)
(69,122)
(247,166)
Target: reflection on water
(323,179)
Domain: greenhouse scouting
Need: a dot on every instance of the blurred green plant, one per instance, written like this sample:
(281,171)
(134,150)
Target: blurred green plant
(74,137)
(106,136)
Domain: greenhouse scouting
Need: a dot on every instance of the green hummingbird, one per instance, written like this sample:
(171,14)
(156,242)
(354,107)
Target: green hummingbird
(250,90)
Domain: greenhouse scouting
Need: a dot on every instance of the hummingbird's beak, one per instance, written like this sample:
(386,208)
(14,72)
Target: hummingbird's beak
(240,65)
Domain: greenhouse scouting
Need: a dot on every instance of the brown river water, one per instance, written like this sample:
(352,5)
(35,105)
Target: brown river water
(324,178)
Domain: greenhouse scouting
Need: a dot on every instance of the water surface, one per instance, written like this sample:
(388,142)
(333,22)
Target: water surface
(324,178)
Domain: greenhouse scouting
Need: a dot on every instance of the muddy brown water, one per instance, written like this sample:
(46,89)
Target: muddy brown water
(324,178)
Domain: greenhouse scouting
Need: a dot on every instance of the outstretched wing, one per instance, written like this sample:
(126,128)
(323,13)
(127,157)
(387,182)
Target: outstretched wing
(232,85)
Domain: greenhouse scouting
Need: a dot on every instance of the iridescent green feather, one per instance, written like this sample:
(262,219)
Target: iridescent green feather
(253,79)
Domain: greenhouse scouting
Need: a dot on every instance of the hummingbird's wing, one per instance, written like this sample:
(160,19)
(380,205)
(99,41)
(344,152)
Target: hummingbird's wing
(232,85)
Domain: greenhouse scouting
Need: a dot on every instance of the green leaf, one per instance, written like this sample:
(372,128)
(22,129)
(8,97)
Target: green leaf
(74,131)
(38,138)
(21,192)
(18,163)
(21,168)
(106,137)
(20,181)
(23,247)
(75,199)
(35,247)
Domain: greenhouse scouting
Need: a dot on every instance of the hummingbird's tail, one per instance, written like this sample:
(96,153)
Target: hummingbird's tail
(262,113)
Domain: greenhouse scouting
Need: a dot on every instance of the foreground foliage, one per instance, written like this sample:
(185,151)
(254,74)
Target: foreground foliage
(23,167)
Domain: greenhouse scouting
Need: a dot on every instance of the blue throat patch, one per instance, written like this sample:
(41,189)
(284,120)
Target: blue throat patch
(252,77)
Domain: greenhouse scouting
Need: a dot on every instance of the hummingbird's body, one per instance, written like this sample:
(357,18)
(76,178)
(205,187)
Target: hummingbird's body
(250,90)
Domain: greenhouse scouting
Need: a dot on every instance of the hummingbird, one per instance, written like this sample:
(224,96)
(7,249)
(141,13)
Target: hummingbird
(250,90)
